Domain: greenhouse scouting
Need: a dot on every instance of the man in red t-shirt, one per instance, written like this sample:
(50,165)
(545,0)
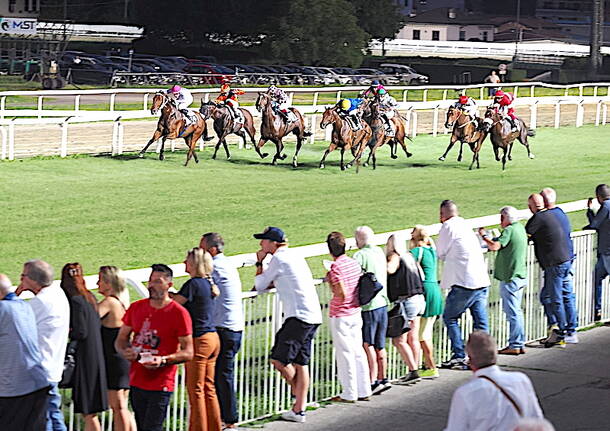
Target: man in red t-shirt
(162,338)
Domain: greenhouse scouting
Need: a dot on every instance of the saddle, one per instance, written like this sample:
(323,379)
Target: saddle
(507,126)
(354,125)
(236,115)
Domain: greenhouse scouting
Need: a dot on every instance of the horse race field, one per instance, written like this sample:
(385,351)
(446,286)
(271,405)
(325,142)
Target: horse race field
(133,212)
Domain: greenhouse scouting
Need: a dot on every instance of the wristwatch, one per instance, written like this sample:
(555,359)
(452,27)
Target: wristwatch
(258,264)
(164,361)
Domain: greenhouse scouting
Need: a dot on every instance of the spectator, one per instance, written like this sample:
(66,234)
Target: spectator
(229,323)
(511,271)
(52,313)
(374,314)
(345,322)
(197,295)
(553,254)
(89,392)
(111,310)
(601,223)
(550,197)
(465,274)
(25,386)
(161,339)
(424,252)
(492,78)
(406,289)
(290,275)
(493,399)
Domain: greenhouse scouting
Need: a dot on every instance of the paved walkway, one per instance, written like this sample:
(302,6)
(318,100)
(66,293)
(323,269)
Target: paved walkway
(573,385)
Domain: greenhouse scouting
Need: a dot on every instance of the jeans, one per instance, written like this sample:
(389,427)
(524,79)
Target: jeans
(511,293)
(559,290)
(602,269)
(149,408)
(458,301)
(55,417)
(230,342)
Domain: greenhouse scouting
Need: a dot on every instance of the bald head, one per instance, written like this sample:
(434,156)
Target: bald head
(448,209)
(602,191)
(549,196)
(535,202)
(6,286)
(482,350)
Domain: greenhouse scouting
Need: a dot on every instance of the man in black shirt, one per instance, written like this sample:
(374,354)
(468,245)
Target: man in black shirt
(554,256)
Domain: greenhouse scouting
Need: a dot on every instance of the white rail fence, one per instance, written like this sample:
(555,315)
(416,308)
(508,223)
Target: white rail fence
(261,391)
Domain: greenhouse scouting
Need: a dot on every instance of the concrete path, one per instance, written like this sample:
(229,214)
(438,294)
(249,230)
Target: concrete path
(573,385)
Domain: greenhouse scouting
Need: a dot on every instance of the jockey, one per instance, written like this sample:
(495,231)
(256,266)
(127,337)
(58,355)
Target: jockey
(349,108)
(468,105)
(183,99)
(228,96)
(372,90)
(279,100)
(387,107)
(504,102)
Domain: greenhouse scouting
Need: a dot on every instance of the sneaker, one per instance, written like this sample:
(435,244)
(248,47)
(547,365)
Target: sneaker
(455,364)
(555,339)
(429,374)
(598,316)
(380,386)
(571,338)
(409,379)
(291,416)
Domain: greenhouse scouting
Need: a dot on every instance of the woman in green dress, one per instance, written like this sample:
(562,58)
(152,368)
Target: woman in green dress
(424,252)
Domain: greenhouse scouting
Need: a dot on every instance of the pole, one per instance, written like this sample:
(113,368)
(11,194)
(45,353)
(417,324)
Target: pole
(596,29)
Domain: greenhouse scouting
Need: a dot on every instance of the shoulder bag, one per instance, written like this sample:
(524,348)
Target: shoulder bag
(67,378)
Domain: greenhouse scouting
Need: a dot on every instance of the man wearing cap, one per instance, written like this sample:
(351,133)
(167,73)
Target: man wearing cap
(289,274)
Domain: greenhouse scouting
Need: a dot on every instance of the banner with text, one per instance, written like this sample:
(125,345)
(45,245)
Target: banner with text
(18,26)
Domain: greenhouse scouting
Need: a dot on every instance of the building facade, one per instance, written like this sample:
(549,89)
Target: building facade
(414,7)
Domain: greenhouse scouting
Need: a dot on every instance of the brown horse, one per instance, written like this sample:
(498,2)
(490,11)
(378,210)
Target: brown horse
(344,137)
(380,136)
(464,131)
(274,128)
(172,125)
(224,124)
(502,136)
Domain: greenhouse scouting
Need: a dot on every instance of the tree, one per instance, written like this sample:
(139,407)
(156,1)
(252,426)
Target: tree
(321,32)
(381,19)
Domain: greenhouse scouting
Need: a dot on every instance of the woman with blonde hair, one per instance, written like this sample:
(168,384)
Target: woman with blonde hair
(197,295)
(405,288)
(424,252)
(111,310)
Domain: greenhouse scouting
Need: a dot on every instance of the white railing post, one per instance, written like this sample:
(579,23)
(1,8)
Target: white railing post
(598,107)
(414,125)
(120,137)
(338,96)
(404,95)
(115,134)
(77,102)
(595,91)
(4,142)
(533,114)
(328,133)
(11,140)
(63,149)
(481,96)
(2,106)
(312,138)
(435,122)
(532,91)
(315,99)
(516,91)
(445,94)
(145,102)
(580,114)
(580,90)
(604,114)
(112,98)
(425,96)
(40,106)
(557,114)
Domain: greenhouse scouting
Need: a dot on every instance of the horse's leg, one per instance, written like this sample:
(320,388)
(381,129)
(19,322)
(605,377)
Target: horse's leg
(278,151)
(259,145)
(217,146)
(451,144)
(242,135)
(496,151)
(154,138)
(401,140)
(296,153)
(461,153)
(251,132)
(342,165)
(191,150)
(330,148)
(523,139)
(510,150)
(161,155)
(504,157)
(226,147)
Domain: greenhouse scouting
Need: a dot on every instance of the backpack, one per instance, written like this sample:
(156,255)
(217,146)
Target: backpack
(368,287)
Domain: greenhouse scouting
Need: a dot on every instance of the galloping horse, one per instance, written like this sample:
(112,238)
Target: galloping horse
(344,137)
(464,131)
(172,125)
(225,125)
(380,136)
(503,137)
(274,129)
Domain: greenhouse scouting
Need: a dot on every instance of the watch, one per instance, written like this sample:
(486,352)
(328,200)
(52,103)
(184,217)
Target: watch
(258,264)
(164,361)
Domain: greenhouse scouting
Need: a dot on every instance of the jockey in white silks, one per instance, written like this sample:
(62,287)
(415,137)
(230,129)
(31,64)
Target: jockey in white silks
(387,107)
(469,106)
(183,99)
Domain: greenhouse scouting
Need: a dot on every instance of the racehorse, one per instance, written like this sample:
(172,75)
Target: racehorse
(464,131)
(172,125)
(502,136)
(274,128)
(344,137)
(380,136)
(224,124)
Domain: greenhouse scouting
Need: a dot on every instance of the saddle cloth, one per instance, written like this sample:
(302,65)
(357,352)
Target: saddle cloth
(507,128)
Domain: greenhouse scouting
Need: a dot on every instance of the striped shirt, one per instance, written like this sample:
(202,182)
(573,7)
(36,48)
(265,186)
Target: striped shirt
(348,271)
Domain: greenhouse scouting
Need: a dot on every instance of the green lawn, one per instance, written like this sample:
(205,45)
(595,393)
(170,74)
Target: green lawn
(131,212)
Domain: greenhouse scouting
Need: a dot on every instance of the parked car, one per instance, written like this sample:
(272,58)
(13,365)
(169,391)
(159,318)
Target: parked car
(367,75)
(404,73)
(337,78)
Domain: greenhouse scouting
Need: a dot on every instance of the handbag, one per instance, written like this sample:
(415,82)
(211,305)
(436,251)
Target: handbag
(67,377)
(397,324)
(368,287)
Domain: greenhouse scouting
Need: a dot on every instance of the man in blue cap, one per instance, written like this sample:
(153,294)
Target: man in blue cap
(288,272)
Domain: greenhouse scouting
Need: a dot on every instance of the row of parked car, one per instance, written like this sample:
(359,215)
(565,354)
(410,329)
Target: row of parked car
(138,69)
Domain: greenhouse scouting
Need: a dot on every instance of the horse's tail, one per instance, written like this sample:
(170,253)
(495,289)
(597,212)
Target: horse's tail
(531,133)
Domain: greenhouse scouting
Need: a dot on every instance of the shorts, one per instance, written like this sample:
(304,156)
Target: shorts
(413,306)
(293,342)
(374,327)
(426,326)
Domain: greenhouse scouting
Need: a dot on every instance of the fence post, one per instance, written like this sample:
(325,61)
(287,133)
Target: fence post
(532,91)
(120,137)
(2,106)
(290,98)
(425,96)
(312,138)
(77,102)
(580,114)
(435,122)
(63,149)
(115,134)
(315,98)
(4,142)
(145,102)
(557,114)
(598,112)
(481,93)
(11,140)
(414,130)
(604,114)
(112,97)
(40,106)
(516,91)
(338,96)
(533,114)
(580,90)
(445,94)
(595,91)
(404,95)
(566,92)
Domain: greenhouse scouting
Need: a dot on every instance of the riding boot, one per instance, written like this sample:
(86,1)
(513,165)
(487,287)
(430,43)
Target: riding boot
(513,124)
(187,115)
(355,122)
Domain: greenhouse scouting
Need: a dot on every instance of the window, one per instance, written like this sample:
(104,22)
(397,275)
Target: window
(436,35)
(416,34)
(484,36)
(11,5)
(462,35)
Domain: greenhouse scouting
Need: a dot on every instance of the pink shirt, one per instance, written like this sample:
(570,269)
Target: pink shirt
(348,271)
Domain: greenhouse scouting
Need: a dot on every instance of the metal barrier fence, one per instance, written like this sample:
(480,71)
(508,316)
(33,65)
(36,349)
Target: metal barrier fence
(260,390)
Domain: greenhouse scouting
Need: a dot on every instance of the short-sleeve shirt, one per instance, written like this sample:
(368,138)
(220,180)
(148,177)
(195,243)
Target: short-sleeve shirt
(372,259)
(347,271)
(229,311)
(200,304)
(510,260)
(548,235)
(156,331)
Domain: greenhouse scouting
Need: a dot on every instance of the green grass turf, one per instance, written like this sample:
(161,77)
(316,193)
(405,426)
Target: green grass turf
(131,212)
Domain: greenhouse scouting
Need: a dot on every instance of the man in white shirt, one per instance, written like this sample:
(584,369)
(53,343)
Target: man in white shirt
(465,274)
(289,274)
(493,399)
(52,312)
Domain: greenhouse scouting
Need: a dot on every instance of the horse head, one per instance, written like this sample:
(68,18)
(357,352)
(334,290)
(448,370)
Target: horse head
(262,101)
(452,115)
(207,109)
(330,116)
(160,99)
(492,117)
